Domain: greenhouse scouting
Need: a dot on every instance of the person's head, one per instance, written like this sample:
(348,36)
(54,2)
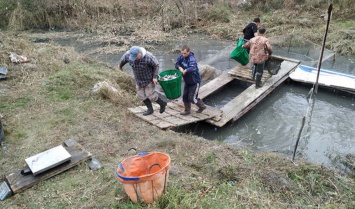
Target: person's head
(262,31)
(185,51)
(256,20)
(135,53)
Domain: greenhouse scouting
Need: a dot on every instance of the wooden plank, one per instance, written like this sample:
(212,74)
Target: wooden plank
(255,102)
(177,121)
(214,85)
(164,125)
(19,182)
(48,159)
(285,59)
(244,73)
(171,117)
(171,109)
(210,112)
(156,121)
(236,106)
(135,109)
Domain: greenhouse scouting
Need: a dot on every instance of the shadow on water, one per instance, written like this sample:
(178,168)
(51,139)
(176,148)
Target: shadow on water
(274,123)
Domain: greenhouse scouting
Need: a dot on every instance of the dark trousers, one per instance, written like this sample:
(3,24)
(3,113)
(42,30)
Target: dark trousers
(258,69)
(190,93)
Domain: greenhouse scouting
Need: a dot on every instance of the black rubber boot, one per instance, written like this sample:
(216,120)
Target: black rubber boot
(258,80)
(259,74)
(187,109)
(201,106)
(162,104)
(150,110)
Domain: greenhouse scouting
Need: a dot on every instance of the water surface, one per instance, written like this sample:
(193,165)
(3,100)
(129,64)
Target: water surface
(273,124)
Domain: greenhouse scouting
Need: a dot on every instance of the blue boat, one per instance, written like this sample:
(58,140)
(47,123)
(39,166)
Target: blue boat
(327,78)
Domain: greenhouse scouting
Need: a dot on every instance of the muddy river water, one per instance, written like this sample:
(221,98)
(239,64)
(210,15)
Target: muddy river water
(328,136)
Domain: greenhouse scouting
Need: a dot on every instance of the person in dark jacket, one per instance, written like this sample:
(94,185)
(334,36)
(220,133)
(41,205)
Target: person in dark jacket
(251,30)
(145,68)
(187,64)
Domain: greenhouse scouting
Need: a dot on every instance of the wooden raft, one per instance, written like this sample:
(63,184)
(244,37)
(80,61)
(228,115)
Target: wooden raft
(241,104)
(214,85)
(19,182)
(171,117)
(244,73)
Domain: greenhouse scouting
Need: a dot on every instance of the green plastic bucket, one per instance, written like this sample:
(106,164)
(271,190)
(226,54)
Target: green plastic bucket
(239,53)
(171,88)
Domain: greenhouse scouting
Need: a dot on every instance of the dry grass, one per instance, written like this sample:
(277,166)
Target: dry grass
(51,99)
(156,21)
(48,101)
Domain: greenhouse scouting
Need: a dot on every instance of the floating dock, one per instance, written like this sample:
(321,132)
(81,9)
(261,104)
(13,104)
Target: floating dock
(171,117)
(233,110)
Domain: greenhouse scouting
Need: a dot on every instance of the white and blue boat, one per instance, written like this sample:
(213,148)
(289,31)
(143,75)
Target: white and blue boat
(327,78)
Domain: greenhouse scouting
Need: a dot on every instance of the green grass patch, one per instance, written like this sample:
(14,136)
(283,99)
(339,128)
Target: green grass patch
(220,13)
(9,104)
(350,24)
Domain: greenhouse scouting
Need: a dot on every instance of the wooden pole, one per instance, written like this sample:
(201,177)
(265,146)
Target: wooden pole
(324,39)
(298,138)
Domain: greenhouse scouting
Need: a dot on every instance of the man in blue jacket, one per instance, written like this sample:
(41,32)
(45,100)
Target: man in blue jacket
(187,64)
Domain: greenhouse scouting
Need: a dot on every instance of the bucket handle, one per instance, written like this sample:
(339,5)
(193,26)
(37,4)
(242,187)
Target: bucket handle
(125,178)
(154,165)
(132,178)
(132,148)
(140,154)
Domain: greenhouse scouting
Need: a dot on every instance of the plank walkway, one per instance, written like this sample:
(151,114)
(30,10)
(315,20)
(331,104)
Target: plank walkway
(171,117)
(214,85)
(244,73)
(241,104)
(232,111)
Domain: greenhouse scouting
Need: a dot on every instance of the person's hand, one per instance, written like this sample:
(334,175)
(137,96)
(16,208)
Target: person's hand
(182,70)
(155,81)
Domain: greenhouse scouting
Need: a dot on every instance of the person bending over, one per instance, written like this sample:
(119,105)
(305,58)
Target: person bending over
(145,68)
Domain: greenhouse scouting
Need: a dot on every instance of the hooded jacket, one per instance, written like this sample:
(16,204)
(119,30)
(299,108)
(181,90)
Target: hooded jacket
(189,63)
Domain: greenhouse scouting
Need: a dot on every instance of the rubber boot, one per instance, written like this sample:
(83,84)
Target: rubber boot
(187,109)
(150,110)
(253,72)
(201,106)
(258,80)
(162,104)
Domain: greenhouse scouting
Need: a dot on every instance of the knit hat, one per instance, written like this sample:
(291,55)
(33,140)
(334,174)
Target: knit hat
(133,53)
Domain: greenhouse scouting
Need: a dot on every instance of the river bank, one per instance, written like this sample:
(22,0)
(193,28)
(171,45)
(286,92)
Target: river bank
(50,99)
